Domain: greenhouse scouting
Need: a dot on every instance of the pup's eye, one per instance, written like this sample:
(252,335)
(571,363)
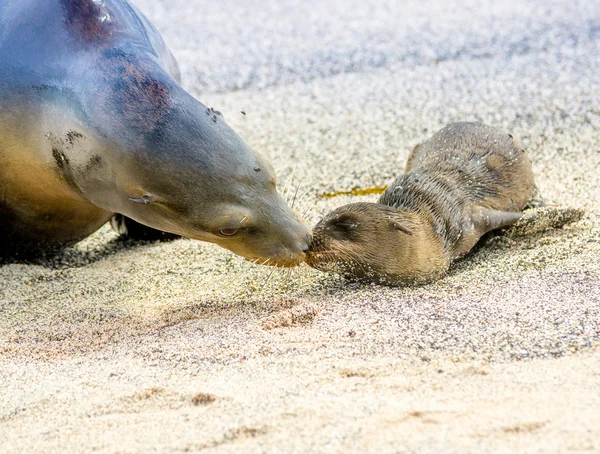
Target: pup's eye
(229,232)
(346,225)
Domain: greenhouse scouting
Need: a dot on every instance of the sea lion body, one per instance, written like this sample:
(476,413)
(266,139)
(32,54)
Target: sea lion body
(93,122)
(466,180)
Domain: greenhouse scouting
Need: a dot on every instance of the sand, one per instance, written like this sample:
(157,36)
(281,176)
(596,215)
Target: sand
(184,347)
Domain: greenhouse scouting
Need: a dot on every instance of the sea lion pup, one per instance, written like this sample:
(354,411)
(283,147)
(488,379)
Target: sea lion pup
(466,180)
(93,122)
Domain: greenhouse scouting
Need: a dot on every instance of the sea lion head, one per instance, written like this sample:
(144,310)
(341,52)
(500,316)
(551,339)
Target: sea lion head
(109,126)
(375,242)
(175,165)
(213,187)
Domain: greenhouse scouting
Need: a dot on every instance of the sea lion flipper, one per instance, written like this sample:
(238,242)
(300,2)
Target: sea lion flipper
(536,220)
(131,229)
(486,220)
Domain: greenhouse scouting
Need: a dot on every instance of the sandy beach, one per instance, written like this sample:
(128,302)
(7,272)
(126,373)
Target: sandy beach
(118,347)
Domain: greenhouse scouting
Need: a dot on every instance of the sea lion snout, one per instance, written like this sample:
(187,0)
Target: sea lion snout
(279,239)
(353,240)
(297,245)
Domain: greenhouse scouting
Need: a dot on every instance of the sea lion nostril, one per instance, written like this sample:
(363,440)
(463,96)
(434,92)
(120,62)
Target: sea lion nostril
(305,245)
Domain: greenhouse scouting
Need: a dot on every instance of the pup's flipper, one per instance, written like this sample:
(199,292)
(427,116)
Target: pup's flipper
(486,220)
(537,220)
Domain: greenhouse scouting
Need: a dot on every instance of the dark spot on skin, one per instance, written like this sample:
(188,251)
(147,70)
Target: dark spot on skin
(89,20)
(94,163)
(62,164)
(146,99)
(59,157)
(142,100)
(214,113)
(71,136)
(257,169)
(243,113)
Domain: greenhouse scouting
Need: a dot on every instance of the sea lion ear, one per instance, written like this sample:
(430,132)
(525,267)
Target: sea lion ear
(145,199)
(90,20)
(397,226)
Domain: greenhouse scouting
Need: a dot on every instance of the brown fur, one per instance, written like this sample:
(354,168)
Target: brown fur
(466,180)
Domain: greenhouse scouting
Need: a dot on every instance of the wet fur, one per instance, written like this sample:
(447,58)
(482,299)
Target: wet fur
(467,179)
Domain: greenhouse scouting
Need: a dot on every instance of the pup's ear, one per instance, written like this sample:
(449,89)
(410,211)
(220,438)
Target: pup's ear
(397,226)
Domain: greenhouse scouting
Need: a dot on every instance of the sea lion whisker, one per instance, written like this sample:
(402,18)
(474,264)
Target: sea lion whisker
(326,252)
(268,278)
(353,259)
(309,207)
(304,194)
(287,276)
(288,184)
(347,256)
(305,212)
(295,195)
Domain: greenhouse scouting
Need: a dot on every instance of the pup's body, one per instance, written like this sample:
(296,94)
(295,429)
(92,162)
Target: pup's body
(466,180)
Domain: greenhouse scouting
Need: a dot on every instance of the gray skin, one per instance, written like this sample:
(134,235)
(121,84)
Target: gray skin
(465,181)
(93,122)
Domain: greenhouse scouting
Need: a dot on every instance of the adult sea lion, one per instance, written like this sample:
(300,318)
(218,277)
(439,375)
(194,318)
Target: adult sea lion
(465,181)
(93,122)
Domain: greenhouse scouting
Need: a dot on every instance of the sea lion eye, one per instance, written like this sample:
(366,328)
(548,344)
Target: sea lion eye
(229,232)
(345,224)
